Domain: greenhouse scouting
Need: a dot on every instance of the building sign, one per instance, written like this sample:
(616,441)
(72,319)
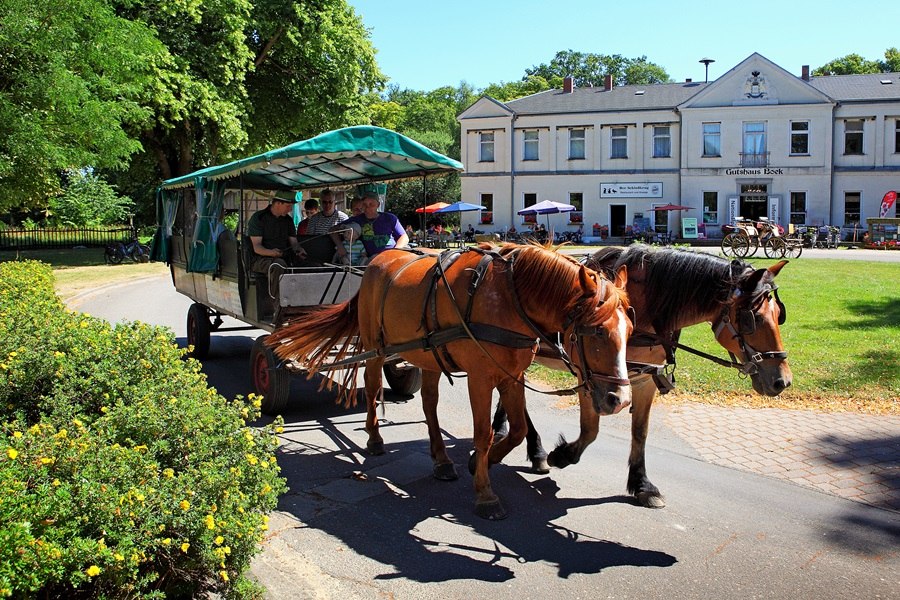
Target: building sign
(631,190)
(745,171)
(774,212)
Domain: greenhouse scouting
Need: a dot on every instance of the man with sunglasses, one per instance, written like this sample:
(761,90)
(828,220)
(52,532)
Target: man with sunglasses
(327,217)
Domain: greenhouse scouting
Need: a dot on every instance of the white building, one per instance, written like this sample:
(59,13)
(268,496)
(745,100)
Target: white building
(757,141)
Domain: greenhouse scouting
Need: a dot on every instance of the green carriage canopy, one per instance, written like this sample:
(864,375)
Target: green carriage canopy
(344,157)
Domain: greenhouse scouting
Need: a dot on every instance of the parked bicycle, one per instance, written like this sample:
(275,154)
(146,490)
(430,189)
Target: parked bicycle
(118,251)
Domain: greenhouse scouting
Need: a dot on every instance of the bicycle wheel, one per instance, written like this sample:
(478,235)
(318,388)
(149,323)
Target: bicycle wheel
(774,248)
(114,254)
(793,250)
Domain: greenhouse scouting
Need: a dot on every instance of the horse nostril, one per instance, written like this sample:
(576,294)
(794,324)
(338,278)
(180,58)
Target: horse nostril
(781,384)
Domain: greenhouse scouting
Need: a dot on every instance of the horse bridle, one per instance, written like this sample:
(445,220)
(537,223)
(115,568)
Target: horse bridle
(746,320)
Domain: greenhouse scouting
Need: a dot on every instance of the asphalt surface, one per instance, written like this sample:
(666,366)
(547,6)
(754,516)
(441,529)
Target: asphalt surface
(760,502)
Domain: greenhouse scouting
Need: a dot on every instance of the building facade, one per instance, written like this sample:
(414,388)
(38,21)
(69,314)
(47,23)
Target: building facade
(758,141)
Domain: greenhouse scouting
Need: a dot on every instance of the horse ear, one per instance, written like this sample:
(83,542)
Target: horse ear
(776,268)
(621,277)
(588,281)
(749,285)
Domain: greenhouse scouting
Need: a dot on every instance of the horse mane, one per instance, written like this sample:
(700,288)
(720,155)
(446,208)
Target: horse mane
(545,278)
(676,281)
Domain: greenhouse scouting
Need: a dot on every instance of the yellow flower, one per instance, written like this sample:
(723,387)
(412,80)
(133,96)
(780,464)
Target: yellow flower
(56,482)
(77,423)
(168,473)
(12,453)
(118,557)
(45,460)
(167,541)
(210,522)
(184,504)
(185,546)
(252,459)
(92,571)
(219,539)
(17,434)
(223,575)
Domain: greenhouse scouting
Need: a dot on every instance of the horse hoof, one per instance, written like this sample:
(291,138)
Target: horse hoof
(375,448)
(492,511)
(540,466)
(648,500)
(445,472)
(558,460)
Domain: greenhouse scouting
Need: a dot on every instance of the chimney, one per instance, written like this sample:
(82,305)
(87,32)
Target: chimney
(568,84)
(805,73)
(607,83)
(688,80)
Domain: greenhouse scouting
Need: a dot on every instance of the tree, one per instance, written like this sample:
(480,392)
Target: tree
(852,64)
(530,84)
(891,61)
(88,200)
(69,73)
(589,69)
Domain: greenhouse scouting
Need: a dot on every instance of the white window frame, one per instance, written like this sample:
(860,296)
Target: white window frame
(858,130)
(798,217)
(799,131)
(486,146)
(618,142)
(530,143)
(662,134)
(712,139)
(577,144)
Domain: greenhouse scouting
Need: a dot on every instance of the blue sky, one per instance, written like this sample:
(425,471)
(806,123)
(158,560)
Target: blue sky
(423,45)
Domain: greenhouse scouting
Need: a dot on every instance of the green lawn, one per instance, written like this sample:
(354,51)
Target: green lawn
(842,336)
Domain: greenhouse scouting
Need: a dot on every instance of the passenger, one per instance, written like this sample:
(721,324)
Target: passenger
(379,231)
(310,207)
(322,222)
(273,235)
(346,238)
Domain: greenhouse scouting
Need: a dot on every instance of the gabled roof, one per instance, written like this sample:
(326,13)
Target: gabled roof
(849,88)
(595,99)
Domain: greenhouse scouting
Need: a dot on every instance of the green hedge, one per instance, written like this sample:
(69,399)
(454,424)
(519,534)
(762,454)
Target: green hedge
(122,474)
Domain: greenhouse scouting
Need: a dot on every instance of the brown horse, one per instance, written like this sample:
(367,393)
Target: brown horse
(481,311)
(671,289)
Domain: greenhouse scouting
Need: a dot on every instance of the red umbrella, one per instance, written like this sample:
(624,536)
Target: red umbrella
(672,207)
(432,207)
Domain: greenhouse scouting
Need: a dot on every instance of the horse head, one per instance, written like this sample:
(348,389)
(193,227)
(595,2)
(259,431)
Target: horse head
(599,340)
(748,327)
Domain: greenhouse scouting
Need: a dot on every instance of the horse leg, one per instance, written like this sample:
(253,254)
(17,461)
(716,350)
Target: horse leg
(487,504)
(647,494)
(535,449)
(372,379)
(569,453)
(444,468)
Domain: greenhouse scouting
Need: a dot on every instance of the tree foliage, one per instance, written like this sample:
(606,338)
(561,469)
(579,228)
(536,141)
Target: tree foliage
(589,69)
(88,200)
(854,64)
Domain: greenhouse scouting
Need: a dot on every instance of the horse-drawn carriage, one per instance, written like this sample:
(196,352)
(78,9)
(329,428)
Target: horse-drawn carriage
(747,236)
(201,233)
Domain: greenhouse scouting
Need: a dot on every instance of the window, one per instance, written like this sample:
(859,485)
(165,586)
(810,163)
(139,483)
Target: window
(710,207)
(799,137)
(851,207)
(853,137)
(530,151)
(486,149)
(754,154)
(897,136)
(662,142)
(487,215)
(798,208)
(576,144)
(529,199)
(712,143)
(618,142)
(576,199)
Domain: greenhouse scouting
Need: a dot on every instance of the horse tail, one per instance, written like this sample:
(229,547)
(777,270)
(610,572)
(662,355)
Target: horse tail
(317,335)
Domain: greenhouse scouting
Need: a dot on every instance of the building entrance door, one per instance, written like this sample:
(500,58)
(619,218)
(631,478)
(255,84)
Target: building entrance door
(754,201)
(617,220)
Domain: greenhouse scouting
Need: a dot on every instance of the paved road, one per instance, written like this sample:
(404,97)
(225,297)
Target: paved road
(355,526)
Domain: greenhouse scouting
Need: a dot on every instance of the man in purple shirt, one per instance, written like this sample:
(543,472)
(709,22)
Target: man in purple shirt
(380,231)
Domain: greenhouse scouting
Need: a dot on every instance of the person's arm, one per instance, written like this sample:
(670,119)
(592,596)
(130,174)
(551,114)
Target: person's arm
(402,241)
(296,247)
(261,250)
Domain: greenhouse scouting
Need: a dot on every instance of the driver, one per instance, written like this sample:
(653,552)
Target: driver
(274,236)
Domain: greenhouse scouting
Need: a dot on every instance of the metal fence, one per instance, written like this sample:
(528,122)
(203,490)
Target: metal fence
(42,239)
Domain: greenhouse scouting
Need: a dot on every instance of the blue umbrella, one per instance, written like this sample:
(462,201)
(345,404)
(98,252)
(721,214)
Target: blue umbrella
(459,207)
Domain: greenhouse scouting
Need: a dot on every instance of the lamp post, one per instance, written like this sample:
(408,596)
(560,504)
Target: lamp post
(706,62)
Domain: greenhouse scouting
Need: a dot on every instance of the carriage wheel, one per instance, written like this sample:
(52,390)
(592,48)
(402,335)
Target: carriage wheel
(269,380)
(403,380)
(774,248)
(752,245)
(198,329)
(793,250)
(735,244)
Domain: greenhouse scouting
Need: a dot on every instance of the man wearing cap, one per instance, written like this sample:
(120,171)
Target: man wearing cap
(273,235)
(327,217)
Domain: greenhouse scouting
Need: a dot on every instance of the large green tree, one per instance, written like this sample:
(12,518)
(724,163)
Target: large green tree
(70,75)
(854,64)
(589,69)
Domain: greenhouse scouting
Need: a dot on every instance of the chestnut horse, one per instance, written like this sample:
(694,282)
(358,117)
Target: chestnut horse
(480,311)
(671,289)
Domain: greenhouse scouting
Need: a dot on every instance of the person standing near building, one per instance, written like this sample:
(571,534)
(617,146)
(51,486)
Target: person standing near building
(322,222)
(379,231)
